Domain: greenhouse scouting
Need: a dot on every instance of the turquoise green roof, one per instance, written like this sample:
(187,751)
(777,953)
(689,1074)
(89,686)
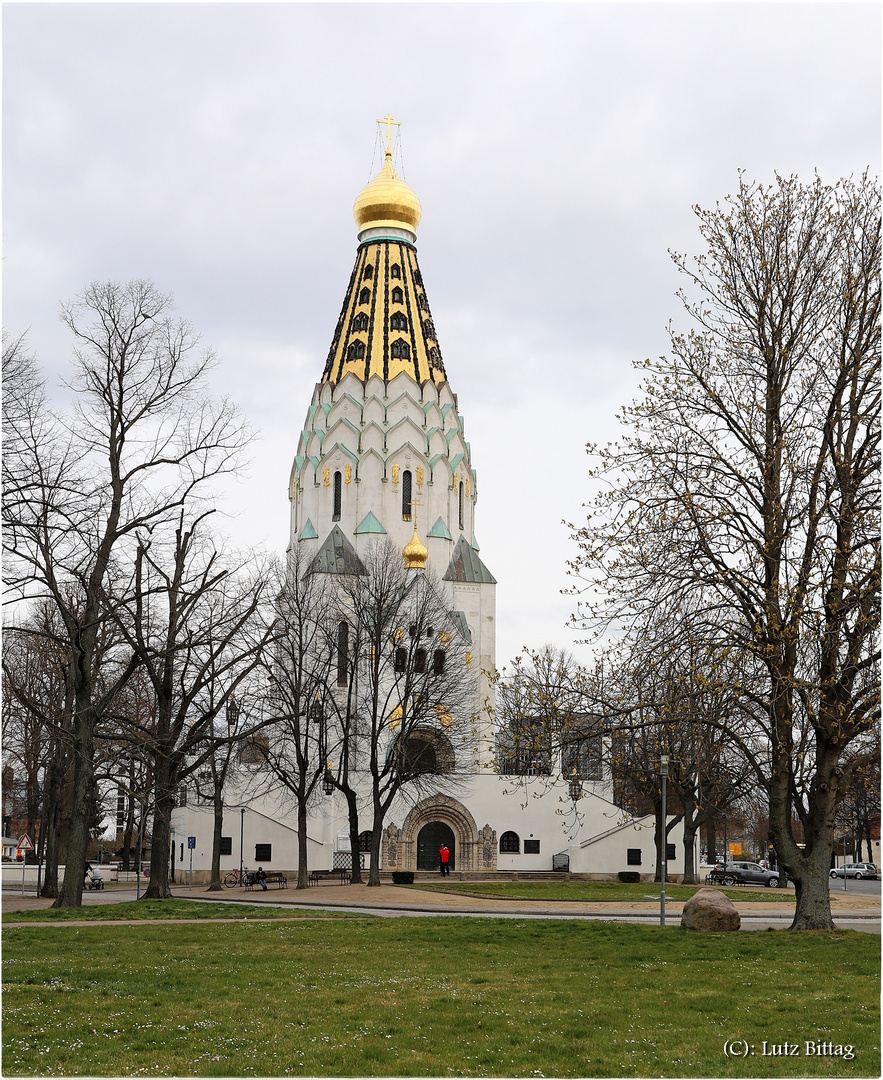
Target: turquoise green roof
(309,532)
(370,524)
(465,565)
(441,530)
(336,556)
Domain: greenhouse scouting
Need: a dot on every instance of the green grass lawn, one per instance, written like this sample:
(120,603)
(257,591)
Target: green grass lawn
(170,909)
(433,997)
(598,890)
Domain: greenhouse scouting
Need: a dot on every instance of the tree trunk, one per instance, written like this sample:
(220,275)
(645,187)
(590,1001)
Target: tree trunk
(356,861)
(303,879)
(158,886)
(376,844)
(54,797)
(70,894)
(691,876)
(214,884)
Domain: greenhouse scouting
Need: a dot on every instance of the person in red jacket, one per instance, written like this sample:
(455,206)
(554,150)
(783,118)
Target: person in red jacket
(444,858)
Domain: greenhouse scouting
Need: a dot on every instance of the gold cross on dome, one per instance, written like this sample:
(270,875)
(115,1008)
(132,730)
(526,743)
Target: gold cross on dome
(388,120)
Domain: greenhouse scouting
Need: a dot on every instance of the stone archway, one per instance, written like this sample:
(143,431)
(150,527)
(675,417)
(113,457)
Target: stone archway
(473,850)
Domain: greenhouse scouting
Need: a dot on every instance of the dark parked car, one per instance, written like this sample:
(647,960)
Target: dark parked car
(744,873)
(856,870)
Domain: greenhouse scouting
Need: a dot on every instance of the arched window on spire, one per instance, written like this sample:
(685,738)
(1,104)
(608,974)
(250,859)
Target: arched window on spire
(360,322)
(462,526)
(400,349)
(397,296)
(365,296)
(356,350)
(338,496)
(398,321)
(406,495)
(395,271)
(368,272)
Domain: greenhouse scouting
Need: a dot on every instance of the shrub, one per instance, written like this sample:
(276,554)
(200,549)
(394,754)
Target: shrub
(629,876)
(403,877)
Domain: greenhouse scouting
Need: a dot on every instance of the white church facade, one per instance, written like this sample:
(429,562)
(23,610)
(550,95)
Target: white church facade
(383,454)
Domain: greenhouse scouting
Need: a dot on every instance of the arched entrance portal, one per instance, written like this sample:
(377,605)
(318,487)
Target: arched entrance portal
(429,840)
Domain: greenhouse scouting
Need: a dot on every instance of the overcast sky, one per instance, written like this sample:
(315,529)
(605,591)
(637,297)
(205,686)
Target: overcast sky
(557,151)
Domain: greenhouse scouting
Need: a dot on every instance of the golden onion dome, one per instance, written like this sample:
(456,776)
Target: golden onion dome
(386,202)
(415,553)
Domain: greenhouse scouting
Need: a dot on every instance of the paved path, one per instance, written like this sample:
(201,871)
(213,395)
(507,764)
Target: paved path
(391,901)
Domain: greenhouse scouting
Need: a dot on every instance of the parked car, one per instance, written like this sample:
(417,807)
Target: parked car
(745,873)
(856,870)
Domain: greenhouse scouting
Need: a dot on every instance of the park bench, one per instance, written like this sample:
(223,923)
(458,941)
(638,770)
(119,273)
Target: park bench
(274,878)
(341,874)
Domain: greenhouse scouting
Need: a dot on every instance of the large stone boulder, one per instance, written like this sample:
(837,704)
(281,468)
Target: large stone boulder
(709,909)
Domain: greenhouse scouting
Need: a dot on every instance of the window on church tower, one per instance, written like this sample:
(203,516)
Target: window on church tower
(338,496)
(438,662)
(400,349)
(406,495)
(462,526)
(368,272)
(420,661)
(343,643)
(360,322)
(364,296)
(398,321)
(395,271)
(401,659)
(397,296)
(356,350)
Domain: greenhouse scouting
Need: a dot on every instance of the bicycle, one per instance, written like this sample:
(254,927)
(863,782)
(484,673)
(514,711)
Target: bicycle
(233,878)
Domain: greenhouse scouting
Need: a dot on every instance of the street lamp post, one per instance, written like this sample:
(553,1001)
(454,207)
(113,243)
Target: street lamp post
(241,832)
(663,772)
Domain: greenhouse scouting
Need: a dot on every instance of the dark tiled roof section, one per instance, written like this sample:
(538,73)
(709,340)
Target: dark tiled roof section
(465,565)
(336,556)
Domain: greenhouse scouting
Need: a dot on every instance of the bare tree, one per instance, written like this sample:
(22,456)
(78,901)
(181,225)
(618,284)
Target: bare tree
(142,442)
(748,489)
(402,658)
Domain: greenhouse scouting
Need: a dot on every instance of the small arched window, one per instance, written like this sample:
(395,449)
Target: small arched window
(400,349)
(395,271)
(462,526)
(397,296)
(398,321)
(360,322)
(356,350)
(343,643)
(365,840)
(364,296)
(434,355)
(368,272)
(420,661)
(438,662)
(510,843)
(422,302)
(406,495)
(401,659)
(338,496)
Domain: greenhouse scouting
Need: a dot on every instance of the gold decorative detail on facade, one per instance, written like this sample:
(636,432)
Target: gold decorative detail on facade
(395,717)
(348,475)
(326,477)
(468,658)
(467,487)
(444,637)
(456,480)
(398,634)
(395,474)
(444,717)
(419,476)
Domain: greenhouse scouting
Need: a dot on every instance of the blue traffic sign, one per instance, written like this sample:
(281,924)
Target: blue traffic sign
(191,842)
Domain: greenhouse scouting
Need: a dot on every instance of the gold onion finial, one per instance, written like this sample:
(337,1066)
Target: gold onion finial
(415,553)
(387,201)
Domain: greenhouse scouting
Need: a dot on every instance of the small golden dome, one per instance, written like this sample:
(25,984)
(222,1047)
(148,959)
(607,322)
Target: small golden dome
(415,553)
(386,202)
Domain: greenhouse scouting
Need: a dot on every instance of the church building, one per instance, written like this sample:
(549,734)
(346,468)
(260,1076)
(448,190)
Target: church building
(383,457)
